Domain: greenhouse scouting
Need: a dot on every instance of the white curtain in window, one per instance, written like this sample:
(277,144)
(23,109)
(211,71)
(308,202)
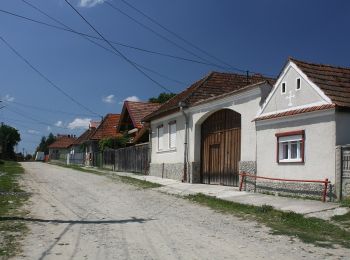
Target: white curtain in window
(160,137)
(172,135)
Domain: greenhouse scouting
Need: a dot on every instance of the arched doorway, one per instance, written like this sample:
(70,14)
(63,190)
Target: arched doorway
(221,148)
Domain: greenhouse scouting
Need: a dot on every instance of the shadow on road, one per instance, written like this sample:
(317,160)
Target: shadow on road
(59,221)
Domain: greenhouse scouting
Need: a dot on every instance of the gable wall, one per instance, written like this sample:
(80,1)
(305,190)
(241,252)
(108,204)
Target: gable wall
(306,95)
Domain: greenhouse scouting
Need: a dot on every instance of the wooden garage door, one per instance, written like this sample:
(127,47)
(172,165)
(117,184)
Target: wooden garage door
(221,148)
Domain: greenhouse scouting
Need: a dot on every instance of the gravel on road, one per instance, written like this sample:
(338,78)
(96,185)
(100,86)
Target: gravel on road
(78,215)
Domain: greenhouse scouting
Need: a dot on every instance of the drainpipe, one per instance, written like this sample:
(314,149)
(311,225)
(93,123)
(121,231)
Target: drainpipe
(182,106)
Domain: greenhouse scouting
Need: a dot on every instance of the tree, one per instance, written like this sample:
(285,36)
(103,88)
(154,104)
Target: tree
(9,138)
(45,142)
(162,98)
(114,142)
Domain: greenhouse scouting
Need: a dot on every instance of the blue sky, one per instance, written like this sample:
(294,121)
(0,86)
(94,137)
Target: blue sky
(250,35)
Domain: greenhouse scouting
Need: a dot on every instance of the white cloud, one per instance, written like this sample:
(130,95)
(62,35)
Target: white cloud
(89,3)
(34,132)
(109,99)
(8,98)
(48,128)
(131,98)
(79,123)
(59,123)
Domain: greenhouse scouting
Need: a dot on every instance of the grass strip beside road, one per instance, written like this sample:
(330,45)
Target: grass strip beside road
(125,179)
(12,197)
(309,230)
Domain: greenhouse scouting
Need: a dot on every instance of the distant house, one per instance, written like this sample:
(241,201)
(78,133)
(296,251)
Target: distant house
(78,145)
(59,149)
(107,128)
(130,120)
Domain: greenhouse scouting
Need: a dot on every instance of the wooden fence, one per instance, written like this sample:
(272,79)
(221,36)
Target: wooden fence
(130,159)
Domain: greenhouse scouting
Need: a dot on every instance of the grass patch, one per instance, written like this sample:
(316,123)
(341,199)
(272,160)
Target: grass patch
(12,197)
(125,179)
(309,230)
(138,183)
(345,202)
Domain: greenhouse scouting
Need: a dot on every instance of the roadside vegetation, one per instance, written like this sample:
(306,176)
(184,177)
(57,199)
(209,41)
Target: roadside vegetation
(343,220)
(309,230)
(12,197)
(125,179)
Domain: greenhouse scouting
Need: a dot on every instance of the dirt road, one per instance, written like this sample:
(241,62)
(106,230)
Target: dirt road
(77,215)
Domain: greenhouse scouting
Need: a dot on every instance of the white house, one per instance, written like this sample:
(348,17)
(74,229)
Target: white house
(305,117)
(203,133)
(229,123)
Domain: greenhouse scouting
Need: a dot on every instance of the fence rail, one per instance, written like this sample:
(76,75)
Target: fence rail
(325,182)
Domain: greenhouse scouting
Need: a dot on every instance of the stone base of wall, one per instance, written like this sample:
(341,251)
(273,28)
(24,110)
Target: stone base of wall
(306,190)
(248,167)
(167,170)
(194,172)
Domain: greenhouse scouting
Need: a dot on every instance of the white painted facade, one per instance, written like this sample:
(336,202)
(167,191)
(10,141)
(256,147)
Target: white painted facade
(246,102)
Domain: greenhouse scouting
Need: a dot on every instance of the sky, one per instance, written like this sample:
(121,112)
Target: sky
(239,35)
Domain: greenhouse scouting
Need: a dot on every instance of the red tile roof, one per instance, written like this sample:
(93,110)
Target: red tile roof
(137,111)
(107,128)
(333,81)
(214,84)
(63,142)
(296,112)
(84,136)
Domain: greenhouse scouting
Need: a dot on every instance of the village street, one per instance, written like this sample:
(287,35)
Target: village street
(78,215)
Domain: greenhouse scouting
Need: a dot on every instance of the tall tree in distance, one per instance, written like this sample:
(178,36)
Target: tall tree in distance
(162,98)
(9,138)
(45,142)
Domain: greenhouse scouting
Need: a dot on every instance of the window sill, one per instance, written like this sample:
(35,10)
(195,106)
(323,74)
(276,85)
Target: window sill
(291,161)
(167,150)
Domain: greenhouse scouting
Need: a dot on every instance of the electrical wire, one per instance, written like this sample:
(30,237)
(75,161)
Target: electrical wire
(180,37)
(45,78)
(88,38)
(45,109)
(115,49)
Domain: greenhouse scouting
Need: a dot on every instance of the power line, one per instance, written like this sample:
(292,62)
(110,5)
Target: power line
(26,116)
(155,32)
(44,77)
(46,109)
(115,49)
(180,37)
(114,42)
(87,37)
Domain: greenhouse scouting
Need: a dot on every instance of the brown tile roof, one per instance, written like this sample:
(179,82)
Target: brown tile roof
(214,84)
(63,141)
(296,112)
(137,111)
(107,128)
(334,81)
(84,136)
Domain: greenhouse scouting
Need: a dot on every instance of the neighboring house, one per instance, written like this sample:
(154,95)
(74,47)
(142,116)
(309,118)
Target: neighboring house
(59,149)
(305,117)
(202,134)
(106,129)
(130,120)
(78,146)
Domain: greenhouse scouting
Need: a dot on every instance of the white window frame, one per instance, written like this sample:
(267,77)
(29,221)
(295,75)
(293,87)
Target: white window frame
(160,140)
(297,137)
(172,146)
(285,88)
(296,88)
